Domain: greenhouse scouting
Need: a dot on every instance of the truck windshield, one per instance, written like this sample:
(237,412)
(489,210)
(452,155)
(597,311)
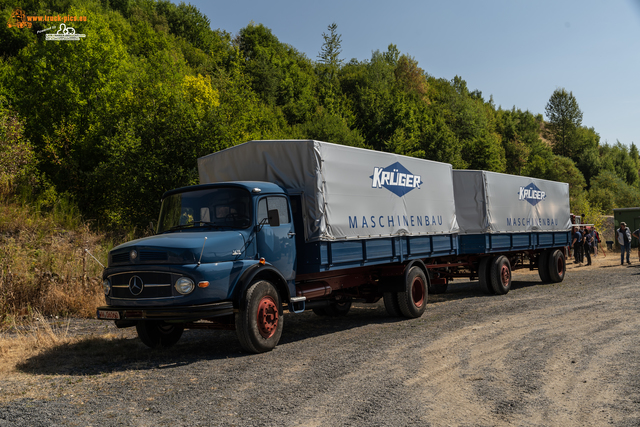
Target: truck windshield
(209,208)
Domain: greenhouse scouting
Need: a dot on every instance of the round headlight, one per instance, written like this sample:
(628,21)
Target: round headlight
(184,285)
(106,286)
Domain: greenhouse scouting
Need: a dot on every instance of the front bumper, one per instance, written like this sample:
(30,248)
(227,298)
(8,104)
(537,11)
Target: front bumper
(180,313)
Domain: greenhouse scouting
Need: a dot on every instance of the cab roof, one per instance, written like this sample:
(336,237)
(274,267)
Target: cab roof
(251,186)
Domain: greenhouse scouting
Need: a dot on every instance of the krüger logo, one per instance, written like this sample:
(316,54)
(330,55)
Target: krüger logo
(531,194)
(395,178)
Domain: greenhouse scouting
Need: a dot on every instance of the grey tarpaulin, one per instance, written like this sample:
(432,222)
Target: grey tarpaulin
(490,202)
(348,193)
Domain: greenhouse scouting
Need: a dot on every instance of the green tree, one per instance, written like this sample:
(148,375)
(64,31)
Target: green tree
(328,67)
(564,117)
(610,192)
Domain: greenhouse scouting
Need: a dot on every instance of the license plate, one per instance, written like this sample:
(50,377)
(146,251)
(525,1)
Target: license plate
(104,314)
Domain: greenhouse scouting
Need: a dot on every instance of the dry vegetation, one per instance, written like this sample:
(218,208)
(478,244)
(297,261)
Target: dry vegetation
(44,267)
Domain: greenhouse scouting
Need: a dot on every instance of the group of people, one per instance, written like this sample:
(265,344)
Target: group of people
(624,238)
(584,243)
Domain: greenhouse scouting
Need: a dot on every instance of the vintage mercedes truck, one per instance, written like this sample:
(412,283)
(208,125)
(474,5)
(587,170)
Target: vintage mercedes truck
(302,224)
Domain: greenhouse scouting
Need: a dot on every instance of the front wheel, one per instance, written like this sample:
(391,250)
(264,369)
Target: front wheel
(154,333)
(259,320)
(413,300)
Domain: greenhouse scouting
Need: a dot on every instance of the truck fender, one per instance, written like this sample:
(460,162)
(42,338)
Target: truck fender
(420,264)
(260,272)
(396,283)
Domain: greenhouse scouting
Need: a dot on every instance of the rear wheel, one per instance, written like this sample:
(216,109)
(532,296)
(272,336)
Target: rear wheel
(484,275)
(391,304)
(413,300)
(155,334)
(557,266)
(543,266)
(259,320)
(501,275)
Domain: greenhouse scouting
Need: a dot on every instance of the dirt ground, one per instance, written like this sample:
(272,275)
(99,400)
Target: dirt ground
(543,355)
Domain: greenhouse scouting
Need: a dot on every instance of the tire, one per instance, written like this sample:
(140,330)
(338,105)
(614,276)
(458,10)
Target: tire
(501,275)
(391,304)
(413,300)
(155,334)
(543,266)
(334,309)
(320,311)
(557,266)
(484,276)
(259,320)
(338,308)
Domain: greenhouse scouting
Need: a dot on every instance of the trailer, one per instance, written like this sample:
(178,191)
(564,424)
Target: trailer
(301,225)
(508,222)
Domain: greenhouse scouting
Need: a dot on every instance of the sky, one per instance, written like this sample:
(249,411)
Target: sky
(516,51)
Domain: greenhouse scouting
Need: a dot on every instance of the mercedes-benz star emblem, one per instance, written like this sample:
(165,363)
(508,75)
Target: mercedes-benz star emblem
(136,285)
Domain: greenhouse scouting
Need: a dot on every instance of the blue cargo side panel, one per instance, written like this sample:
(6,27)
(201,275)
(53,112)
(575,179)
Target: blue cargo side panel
(511,242)
(337,255)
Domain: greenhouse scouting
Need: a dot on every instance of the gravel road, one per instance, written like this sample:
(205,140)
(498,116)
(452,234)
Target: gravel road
(543,355)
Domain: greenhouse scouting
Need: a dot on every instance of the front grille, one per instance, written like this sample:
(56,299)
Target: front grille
(155,285)
(147,292)
(118,258)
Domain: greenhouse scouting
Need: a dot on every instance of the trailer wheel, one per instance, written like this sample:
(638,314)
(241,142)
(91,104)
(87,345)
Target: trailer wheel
(501,275)
(557,266)
(259,320)
(155,334)
(391,304)
(484,275)
(413,300)
(543,266)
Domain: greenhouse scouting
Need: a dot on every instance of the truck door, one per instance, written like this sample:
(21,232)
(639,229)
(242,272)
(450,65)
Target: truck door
(277,244)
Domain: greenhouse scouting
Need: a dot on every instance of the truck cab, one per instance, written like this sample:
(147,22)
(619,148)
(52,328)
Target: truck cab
(212,244)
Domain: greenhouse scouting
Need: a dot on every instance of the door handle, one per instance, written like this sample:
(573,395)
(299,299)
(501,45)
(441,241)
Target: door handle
(291,234)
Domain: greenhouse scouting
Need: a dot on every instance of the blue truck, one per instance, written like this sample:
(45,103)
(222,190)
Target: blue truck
(301,225)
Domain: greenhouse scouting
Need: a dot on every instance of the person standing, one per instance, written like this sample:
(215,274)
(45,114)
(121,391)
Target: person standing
(595,239)
(624,238)
(576,244)
(586,245)
(636,234)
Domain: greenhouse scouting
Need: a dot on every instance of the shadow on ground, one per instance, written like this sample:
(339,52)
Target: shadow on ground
(100,353)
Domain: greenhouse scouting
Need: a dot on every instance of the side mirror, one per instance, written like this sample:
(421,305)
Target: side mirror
(274,218)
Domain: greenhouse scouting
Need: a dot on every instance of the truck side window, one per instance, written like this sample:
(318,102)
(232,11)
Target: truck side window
(274,202)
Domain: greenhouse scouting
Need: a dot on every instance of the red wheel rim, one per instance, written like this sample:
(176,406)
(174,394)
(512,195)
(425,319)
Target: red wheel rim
(560,266)
(417,292)
(267,316)
(505,275)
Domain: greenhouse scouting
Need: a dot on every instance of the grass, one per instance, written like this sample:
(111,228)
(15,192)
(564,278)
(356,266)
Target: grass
(43,264)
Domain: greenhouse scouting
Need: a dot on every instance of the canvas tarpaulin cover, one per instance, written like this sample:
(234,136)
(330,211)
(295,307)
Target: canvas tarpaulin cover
(490,202)
(347,192)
